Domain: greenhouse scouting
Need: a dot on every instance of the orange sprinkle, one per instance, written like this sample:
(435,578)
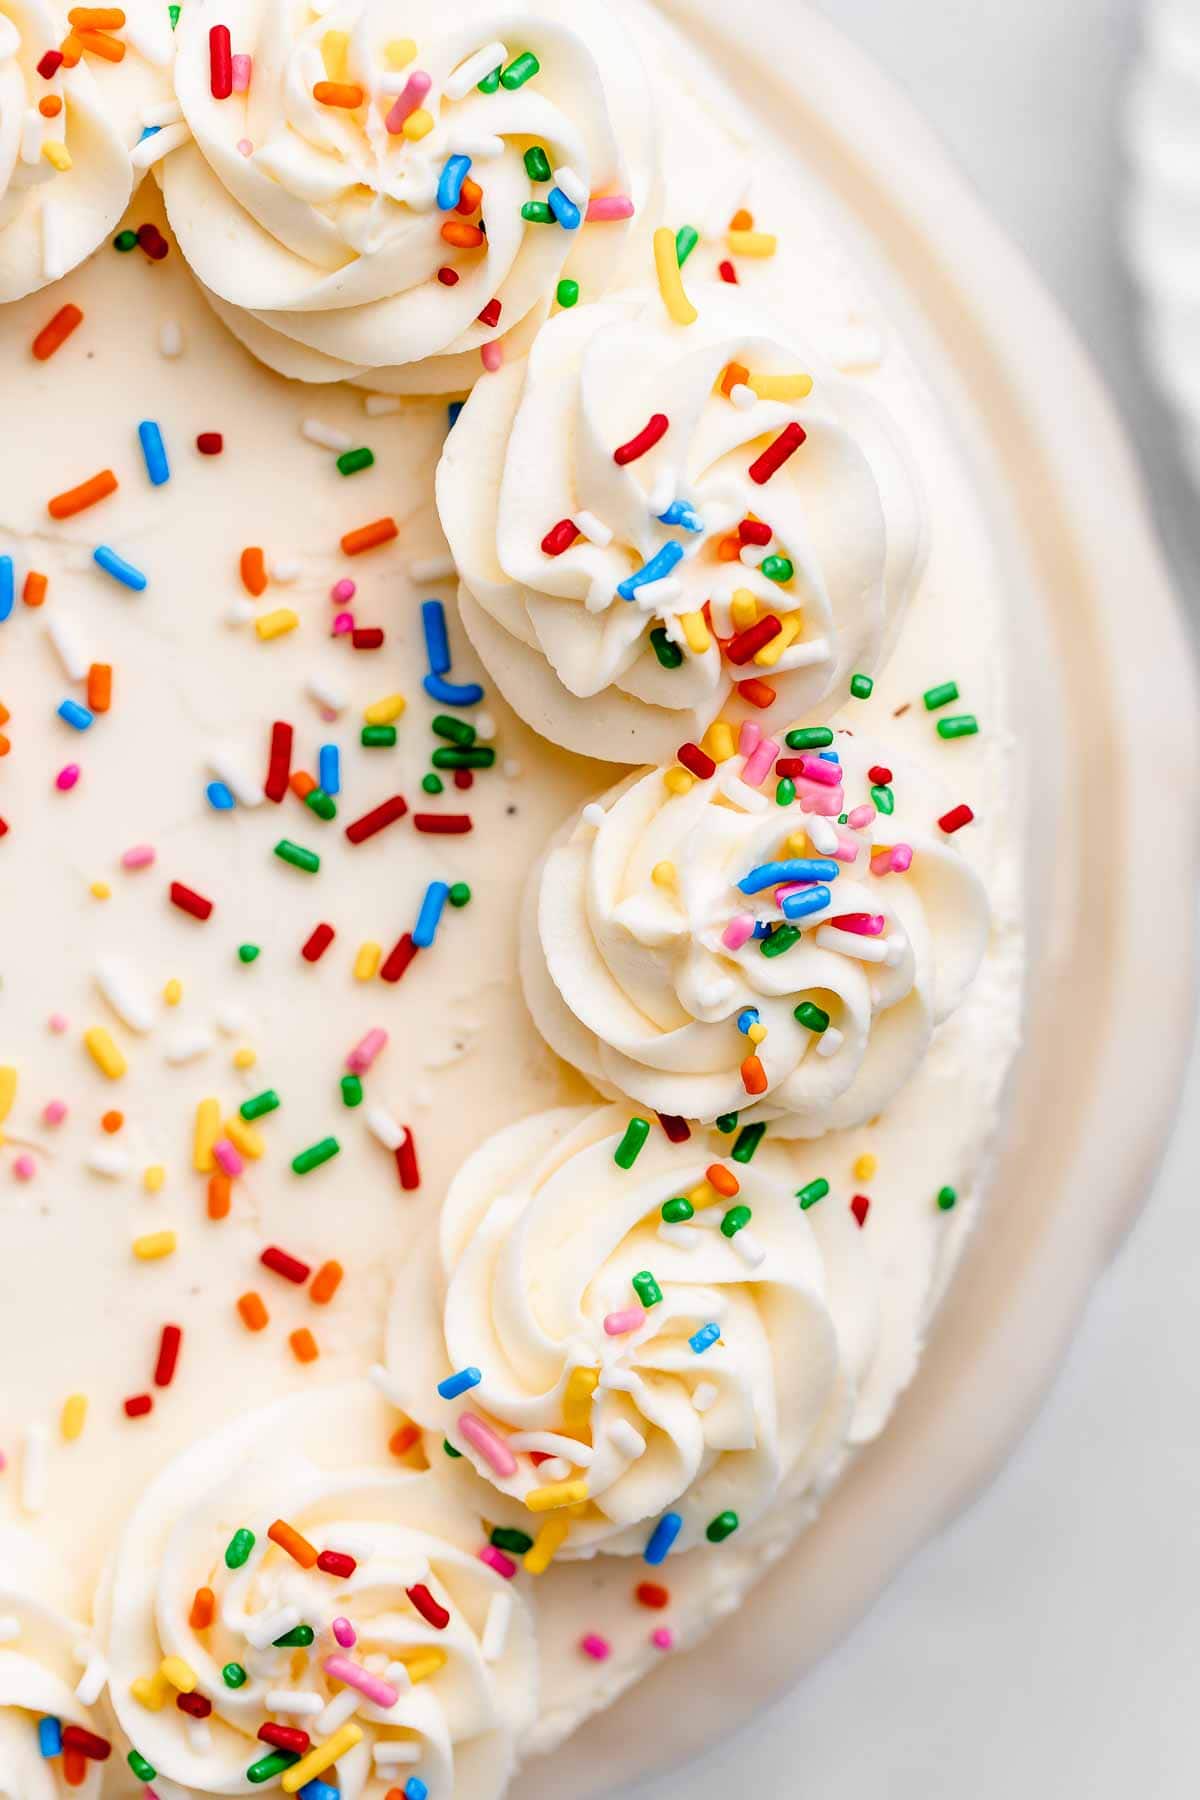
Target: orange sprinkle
(296,1545)
(54,335)
(326,1282)
(301,783)
(304,1345)
(96,18)
(754,1076)
(471,197)
(219,1190)
(367,537)
(112,1121)
(254,1313)
(403,1439)
(5,715)
(742,220)
(49,106)
(204,1609)
(74,1766)
(71,49)
(736,375)
(254,571)
(723,1179)
(99,687)
(5,746)
(729,549)
(100,44)
(463,237)
(757,693)
(34,591)
(339,93)
(78,499)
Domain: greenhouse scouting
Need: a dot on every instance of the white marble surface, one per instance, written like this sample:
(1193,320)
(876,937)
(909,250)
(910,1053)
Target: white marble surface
(1046,1643)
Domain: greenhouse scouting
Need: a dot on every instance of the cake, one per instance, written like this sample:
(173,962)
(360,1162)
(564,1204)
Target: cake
(510,861)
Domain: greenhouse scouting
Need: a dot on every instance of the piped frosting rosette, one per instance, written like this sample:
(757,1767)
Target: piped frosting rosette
(644,514)
(272,1599)
(616,1331)
(695,945)
(396,195)
(50,1744)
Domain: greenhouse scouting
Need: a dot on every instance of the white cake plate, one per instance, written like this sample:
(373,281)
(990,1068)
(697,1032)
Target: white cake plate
(1101,650)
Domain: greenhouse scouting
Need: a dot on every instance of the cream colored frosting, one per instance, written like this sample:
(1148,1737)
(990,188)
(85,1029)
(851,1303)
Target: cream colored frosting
(43,1657)
(454,1724)
(636,970)
(317,231)
(538,445)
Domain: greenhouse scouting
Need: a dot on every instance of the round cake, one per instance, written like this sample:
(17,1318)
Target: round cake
(510,876)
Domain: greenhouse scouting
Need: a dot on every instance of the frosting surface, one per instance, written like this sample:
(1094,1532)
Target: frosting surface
(39,1674)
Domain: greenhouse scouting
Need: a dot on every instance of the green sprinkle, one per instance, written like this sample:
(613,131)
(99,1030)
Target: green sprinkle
(323,804)
(537,163)
(785,791)
(457,730)
(630,1146)
(727,1124)
(811,1016)
(947,1199)
(378,737)
(537,212)
(432,784)
(451,1452)
(125,240)
(145,1771)
(568,294)
(647,1289)
(351,1090)
(781,939)
(777,568)
(351,461)
(843,818)
(749,1138)
(815,1190)
(506,1538)
(173,13)
(490,83)
(723,1526)
(315,1155)
(735,1220)
(233,1675)
(298,1638)
(861,687)
(668,654)
(249,953)
(686,239)
(258,1105)
(941,695)
(269,1766)
(237,1550)
(961,725)
(885,800)
(287,852)
(678,1211)
(810,737)
(460,894)
(523,68)
(479,756)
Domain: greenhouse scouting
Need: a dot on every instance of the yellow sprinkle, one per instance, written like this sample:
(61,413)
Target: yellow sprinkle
(557,1493)
(422,1663)
(100,890)
(298,1666)
(670,281)
(74,1416)
(245,1137)
(757,1033)
(663,874)
(703,1195)
(399,53)
(695,630)
(797,844)
(719,741)
(150,1691)
(678,781)
(334,46)
(417,125)
(743,608)
(546,1546)
(577,1403)
(385,712)
(104,1053)
(153,1245)
(781,387)
(8,1090)
(58,156)
(752,243)
(865,1166)
(180,1674)
(244,1057)
(321,1757)
(276,624)
(154,1178)
(769,655)
(173,992)
(366,963)
(204,1135)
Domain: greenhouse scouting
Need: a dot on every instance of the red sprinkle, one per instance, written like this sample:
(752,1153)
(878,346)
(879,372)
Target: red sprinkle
(280,762)
(280,1263)
(649,1593)
(152,242)
(755,531)
(398,958)
(168,1355)
(491,313)
(560,537)
(96,1749)
(50,64)
(407,1166)
(285,1737)
(728,273)
(189,901)
(956,818)
(879,775)
(210,443)
(860,1206)
(220,62)
(464,779)
(3,827)
(789,767)
(448,277)
(696,761)
(776,454)
(196,1706)
(757,693)
(748,643)
(429,1609)
(443,824)
(651,433)
(138,1405)
(678,1130)
(336,1562)
(378,819)
(318,943)
(367,637)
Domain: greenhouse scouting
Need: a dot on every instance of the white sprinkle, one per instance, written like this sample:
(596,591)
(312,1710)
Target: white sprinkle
(264,1628)
(378,1376)
(199,1737)
(325,693)
(572,185)
(239,612)
(107,1159)
(703,1395)
(594,529)
(802,656)
(743,397)
(823,834)
(92,1682)
(285,569)
(170,338)
(398,1675)
(470,73)
(298,1705)
(185,1046)
(594,814)
(484,147)
(10,1625)
(830,1041)
(390,1753)
(54,261)
(60,629)
(164,112)
(379,405)
(227,768)
(233,1020)
(848,943)
(327,436)
(149,150)
(751,555)
(495,1632)
(626,1439)
(511,769)
(342,1707)
(35,1469)
(655,594)
(126,992)
(432,568)
(557,1469)
(485,727)
(748,1247)
(681,1236)
(552,1443)
(381,1125)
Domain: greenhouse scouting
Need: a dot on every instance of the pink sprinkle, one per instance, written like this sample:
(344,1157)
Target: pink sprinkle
(662,1639)
(58,1022)
(3,1462)
(861,924)
(245,147)
(902,856)
(496,1559)
(862,815)
(758,766)
(345,1633)
(24,1168)
(749,738)
(492,356)
(826,802)
(66,778)
(628,1319)
(328,715)
(598,1648)
(140,857)
(343,591)
(379,1693)
(603,207)
(847,848)
(407,102)
(490,1445)
(228,1157)
(343,623)
(54,1112)
(815,768)
(242,67)
(738,930)
(366,1050)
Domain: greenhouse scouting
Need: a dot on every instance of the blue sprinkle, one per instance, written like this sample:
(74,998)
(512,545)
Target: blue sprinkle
(8,587)
(662,1539)
(415,1789)
(796,868)
(450,182)
(437,644)
(807,901)
(454,1385)
(659,566)
(149,131)
(154,451)
(564,210)
(762,929)
(329,768)
(705,1338)
(449,693)
(118,568)
(453,410)
(681,513)
(76,715)
(49,1737)
(219,796)
(830,756)
(746,1018)
(425,929)
(319,1790)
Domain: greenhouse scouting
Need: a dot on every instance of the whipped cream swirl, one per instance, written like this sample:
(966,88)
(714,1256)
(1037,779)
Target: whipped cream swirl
(709,951)
(42,1661)
(733,1377)
(617,519)
(324,203)
(404,1642)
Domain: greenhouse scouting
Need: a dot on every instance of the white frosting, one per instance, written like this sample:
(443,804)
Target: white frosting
(459,1723)
(39,1671)
(541,1235)
(317,232)
(631,977)
(536,446)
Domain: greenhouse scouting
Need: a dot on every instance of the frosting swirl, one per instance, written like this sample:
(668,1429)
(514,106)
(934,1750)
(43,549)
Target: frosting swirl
(647,963)
(39,1673)
(733,1376)
(406,1644)
(332,207)
(618,517)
